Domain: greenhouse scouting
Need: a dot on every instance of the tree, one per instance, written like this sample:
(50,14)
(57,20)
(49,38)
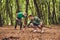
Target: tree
(37,9)
(27,3)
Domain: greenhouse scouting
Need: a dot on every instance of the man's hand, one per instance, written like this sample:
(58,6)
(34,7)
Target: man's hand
(17,19)
(30,25)
(41,23)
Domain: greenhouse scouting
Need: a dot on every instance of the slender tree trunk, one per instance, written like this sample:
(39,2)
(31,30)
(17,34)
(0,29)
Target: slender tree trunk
(17,3)
(37,9)
(59,13)
(54,14)
(11,16)
(1,21)
(1,17)
(49,13)
(8,12)
(27,3)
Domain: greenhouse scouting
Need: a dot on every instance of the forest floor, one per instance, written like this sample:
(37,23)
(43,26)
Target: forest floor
(9,33)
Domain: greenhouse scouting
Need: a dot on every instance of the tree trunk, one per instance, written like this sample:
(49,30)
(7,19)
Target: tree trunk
(37,9)
(49,13)
(53,13)
(1,17)
(1,21)
(27,3)
(11,16)
(17,3)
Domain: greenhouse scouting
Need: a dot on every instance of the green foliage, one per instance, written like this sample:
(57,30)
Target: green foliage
(8,12)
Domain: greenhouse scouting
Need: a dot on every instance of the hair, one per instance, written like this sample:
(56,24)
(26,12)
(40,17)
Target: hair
(17,11)
(30,16)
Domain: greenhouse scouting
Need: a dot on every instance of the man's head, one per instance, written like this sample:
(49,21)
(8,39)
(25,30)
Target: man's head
(31,17)
(17,11)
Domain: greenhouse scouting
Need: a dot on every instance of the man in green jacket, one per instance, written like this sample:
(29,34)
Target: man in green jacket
(19,17)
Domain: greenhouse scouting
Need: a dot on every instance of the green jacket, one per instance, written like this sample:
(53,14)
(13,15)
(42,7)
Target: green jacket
(20,15)
(36,21)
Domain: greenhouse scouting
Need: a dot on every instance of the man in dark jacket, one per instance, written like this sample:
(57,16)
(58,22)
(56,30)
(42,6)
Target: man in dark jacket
(35,22)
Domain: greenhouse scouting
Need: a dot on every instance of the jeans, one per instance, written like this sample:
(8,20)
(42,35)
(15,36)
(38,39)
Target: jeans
(19,21)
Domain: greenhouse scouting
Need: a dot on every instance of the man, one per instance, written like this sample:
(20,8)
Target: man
(35,22)
(19,15)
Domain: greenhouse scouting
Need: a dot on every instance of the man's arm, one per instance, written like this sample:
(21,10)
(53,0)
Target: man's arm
(16,16)
(29,23)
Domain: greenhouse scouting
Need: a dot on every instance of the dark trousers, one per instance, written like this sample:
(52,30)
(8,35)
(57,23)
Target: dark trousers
(18,22)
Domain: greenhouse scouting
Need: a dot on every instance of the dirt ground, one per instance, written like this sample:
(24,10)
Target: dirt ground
(9,33)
